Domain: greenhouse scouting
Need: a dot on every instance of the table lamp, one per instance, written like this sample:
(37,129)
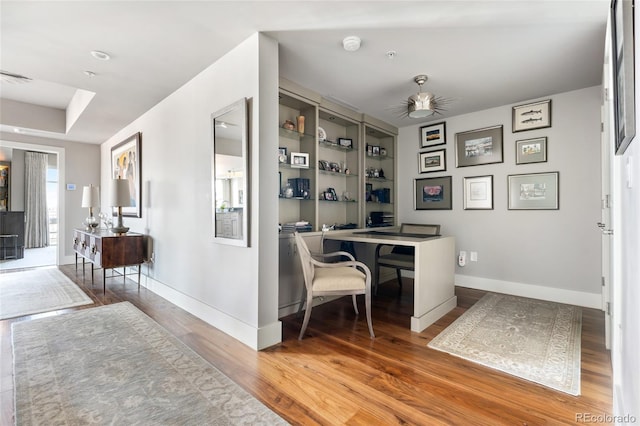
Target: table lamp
(91,199)
(120,197)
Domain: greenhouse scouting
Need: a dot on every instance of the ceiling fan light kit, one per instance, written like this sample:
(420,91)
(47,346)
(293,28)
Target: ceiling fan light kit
(423,104)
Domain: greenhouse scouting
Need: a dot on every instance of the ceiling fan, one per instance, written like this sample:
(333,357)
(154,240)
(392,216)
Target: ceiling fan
(422,104)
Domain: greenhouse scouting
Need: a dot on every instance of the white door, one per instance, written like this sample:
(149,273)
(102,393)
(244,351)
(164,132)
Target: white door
(605,220)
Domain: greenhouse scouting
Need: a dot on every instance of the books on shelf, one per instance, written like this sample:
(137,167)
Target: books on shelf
(300,226)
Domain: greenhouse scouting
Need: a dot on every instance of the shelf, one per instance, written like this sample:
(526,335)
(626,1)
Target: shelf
(372,179)
(339,201)
(330,173)
(379,157)
(295,135)
(296,199)
(378,202)
(334,145)
(289,166)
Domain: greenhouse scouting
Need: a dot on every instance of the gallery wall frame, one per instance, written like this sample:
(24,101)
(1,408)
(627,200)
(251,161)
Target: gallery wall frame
(433,135)
(480,146)
(535,115)
(478,192)
(433,193)
(532,150)
(432,161)
(622,24)
(126,164)
(534,191)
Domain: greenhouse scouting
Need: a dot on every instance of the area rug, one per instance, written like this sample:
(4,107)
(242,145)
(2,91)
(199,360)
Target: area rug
(113,365)
(38,290)
(532,339)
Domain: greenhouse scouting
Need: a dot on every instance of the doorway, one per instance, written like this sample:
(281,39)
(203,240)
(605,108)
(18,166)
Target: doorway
(54,251)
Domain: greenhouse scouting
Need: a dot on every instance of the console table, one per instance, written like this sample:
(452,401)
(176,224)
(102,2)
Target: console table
(107,250)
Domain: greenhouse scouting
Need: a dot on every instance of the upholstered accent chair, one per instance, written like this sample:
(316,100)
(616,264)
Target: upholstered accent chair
(333,279)
(400,257)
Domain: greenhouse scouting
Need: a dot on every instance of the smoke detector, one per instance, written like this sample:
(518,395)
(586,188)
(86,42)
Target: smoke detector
(351,43)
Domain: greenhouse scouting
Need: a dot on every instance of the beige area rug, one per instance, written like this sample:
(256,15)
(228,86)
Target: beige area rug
(38,290)
(113,365)
(528,338)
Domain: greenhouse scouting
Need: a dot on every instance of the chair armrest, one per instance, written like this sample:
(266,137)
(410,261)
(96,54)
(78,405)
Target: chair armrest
(333,254)
(352,263)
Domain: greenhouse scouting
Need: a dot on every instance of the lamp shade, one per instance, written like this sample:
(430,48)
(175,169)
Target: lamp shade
(90,196)
(120,195)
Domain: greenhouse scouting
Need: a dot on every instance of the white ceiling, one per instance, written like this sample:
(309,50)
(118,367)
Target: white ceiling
(479,54)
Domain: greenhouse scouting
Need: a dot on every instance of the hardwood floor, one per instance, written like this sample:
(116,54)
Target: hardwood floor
(337,375)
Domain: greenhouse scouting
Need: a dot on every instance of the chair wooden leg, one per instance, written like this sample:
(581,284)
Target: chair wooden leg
(367,304)
(355,304)
(304,297)
(307,315)
(399,274)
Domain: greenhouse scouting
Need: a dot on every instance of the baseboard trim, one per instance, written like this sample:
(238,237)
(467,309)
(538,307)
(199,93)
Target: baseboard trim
(255,338)
(559,295)
(418,324)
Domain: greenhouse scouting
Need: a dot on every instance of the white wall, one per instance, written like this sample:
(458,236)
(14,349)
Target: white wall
(219,283)
(550,254)
(626,234)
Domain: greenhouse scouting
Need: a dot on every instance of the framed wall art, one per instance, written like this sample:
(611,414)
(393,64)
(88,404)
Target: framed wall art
(535,191)
(433,193)
(531,116)
(125,164)
(478,193)
(623,72)
(433,134)
(432,161)
(531,150)
(477,147)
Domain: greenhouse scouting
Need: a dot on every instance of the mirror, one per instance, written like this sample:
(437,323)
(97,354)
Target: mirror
(230,175)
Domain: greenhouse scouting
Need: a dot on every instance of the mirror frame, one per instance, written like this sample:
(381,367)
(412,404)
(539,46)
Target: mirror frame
(240,106)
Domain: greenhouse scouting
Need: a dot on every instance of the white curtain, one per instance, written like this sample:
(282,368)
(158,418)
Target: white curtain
(35,177)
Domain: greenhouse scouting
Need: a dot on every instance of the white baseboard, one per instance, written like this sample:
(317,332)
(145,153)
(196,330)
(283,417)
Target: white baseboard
(255,338)
(559,295)
(418,324)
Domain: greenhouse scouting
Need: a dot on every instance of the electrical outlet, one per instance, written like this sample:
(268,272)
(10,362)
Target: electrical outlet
(474,256)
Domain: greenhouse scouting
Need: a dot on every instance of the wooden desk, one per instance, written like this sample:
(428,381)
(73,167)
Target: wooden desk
(107,250)
(434,282)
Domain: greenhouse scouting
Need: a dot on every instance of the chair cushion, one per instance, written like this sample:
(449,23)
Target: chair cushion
(341,278)
(396,260)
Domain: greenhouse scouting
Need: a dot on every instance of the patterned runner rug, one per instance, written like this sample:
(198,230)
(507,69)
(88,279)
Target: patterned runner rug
(38,290)
(113,365)
(532,339)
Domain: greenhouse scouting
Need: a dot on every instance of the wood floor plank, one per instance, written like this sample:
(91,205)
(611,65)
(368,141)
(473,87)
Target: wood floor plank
(338,375)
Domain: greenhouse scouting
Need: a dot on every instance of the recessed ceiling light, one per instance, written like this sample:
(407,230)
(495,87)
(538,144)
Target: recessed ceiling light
(100,55)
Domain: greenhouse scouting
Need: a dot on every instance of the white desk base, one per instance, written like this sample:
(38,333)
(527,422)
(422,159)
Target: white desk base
(434,271)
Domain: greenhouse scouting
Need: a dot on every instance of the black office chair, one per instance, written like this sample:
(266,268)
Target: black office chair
(400,257)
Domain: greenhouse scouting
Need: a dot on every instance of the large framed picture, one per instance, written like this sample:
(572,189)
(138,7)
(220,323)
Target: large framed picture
(432,161)
(433,134)
(476,147)
(125,164)
(536,115)
(623,69)
(433,193)
(478,193)
(535,191)
(531,150)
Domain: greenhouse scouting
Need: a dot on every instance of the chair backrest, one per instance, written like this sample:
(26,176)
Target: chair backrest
(419,228)
(305,260)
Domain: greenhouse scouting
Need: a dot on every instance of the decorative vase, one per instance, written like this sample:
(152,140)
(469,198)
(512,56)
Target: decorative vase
(301,124)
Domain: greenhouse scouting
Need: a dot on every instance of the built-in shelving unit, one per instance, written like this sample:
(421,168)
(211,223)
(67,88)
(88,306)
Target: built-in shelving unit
(379,176)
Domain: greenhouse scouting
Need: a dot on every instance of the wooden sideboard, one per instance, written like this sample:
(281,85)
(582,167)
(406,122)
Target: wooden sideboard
(107,250)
